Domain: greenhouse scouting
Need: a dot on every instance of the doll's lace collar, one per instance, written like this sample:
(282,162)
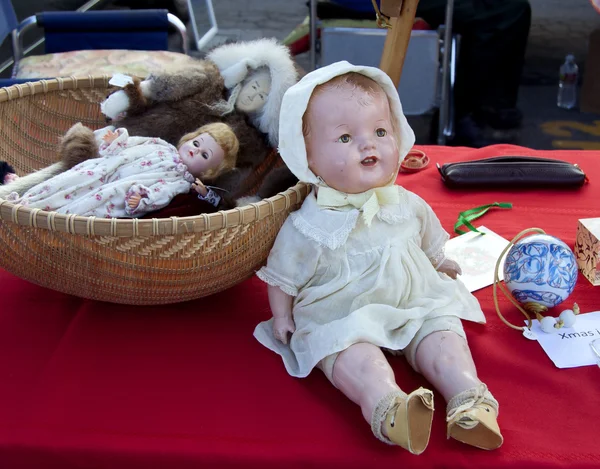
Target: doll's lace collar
(331,227)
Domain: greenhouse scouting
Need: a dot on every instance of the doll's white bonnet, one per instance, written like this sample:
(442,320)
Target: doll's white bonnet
(295,101)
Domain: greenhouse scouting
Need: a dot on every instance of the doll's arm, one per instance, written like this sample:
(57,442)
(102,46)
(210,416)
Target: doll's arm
(433,239)
(228,187)
(141,199)
(207,194)
(449,267)
(281,306)
(292,263)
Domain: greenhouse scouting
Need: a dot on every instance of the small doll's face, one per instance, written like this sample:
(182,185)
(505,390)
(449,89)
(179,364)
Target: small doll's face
(10,177)
(254,92)
(350,142)
(201,154)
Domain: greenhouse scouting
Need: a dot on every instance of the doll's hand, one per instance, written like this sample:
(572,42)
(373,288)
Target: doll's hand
(134,200)
(281,328)
(450,268)
(109,136)
(200,188)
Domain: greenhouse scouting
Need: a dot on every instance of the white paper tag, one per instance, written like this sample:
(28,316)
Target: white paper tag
(569,347)
(528,334)
(120,79)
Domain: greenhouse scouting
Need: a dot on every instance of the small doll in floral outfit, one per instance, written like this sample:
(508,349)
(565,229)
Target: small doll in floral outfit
(360,267)
(134,175)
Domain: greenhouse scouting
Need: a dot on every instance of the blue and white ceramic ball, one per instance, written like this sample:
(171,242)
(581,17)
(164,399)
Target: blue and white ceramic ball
(540,269)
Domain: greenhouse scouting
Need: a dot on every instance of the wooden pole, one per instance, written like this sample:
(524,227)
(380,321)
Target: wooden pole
(396,41)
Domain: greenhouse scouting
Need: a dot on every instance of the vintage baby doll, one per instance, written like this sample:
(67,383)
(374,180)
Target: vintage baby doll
(360,267)
(135,175)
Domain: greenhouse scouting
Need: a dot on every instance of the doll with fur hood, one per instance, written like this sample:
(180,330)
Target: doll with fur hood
(360,267)
(239,84)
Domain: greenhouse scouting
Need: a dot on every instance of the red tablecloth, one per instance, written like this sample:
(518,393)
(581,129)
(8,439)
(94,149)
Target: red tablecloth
(91,384)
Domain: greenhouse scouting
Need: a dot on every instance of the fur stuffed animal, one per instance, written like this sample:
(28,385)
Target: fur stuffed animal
(225,87)
(72,151)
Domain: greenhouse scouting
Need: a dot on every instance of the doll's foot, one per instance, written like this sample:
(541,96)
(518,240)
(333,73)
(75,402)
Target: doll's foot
(472,418)
(404,420)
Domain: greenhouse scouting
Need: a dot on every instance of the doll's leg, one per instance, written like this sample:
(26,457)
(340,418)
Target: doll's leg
(364,375)
(444,358)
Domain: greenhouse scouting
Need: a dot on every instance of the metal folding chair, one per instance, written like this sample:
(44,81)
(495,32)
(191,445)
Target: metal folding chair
(83,30)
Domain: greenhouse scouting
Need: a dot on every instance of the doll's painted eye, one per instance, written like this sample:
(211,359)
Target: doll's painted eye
(344,138)
(196,143)
(381,132)
(204,155)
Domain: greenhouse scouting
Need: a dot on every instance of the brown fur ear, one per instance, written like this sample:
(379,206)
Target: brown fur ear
(138,103)
(77,145)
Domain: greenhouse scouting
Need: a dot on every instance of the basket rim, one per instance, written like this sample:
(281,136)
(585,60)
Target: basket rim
(132,227)
(33,87)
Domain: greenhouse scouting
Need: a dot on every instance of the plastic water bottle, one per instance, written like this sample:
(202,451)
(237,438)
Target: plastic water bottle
(567,83)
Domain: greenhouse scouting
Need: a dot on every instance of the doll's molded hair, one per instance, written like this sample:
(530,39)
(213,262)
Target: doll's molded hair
(227,140)
(352,81)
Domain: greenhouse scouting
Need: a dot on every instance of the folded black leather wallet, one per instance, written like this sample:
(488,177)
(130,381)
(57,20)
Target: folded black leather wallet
(512,171)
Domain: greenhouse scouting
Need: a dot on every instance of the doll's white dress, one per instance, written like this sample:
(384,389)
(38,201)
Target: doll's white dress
(354,283)
(99,186)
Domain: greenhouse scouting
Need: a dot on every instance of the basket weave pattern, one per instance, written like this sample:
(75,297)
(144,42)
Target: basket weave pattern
(150,261)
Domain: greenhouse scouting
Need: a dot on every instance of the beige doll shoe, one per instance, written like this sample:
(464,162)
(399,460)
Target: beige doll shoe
(472,418)
(406,419)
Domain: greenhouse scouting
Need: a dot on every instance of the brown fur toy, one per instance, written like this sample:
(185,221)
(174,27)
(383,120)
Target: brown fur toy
(72,150)
(169,104)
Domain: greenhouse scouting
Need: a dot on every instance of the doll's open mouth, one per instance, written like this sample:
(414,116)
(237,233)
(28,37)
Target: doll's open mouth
(369,161)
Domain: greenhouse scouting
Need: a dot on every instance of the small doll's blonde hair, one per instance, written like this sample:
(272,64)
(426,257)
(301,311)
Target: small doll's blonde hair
(352,81)
(227,140)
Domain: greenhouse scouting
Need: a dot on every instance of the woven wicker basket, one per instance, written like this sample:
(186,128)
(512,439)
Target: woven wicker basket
(151,261)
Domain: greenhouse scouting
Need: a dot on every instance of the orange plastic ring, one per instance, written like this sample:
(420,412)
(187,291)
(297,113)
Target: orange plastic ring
(416,160)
